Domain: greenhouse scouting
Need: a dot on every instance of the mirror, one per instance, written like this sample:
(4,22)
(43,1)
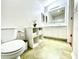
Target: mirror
(55,14)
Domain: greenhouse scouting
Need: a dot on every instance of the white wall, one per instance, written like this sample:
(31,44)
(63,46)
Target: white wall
(19,13)
(75,30)
(75,35)
(57,32)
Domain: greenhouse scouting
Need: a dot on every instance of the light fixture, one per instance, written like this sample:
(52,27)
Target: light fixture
(58,10)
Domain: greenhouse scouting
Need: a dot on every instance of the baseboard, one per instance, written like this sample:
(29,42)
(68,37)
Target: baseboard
(55,38)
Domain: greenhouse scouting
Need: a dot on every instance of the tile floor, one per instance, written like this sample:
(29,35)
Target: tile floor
(49,49)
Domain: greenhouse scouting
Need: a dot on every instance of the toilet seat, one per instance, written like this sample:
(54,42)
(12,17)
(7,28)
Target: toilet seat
(12,46)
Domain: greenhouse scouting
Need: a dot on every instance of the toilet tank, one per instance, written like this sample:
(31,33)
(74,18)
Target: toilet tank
(8,34)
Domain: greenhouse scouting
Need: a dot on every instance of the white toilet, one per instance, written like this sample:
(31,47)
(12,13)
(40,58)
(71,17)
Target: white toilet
(11,48)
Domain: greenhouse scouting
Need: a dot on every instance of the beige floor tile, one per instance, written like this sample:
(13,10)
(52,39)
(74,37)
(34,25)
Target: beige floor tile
(49,49)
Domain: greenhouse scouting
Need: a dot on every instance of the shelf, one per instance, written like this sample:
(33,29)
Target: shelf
(34,35)
(40,33)
(36,44)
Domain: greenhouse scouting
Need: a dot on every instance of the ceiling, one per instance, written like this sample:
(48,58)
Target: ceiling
(47,2)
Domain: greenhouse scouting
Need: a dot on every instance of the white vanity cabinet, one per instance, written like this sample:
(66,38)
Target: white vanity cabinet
(34,36)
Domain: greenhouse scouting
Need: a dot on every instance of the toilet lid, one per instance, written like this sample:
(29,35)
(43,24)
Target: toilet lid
(12,46)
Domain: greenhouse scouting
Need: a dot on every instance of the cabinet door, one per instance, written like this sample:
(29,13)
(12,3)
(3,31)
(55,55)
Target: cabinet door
(70,14)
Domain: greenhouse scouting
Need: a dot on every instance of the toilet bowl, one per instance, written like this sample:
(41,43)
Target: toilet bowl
(12,49)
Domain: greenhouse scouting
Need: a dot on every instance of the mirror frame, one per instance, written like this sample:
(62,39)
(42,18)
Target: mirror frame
(46,10)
